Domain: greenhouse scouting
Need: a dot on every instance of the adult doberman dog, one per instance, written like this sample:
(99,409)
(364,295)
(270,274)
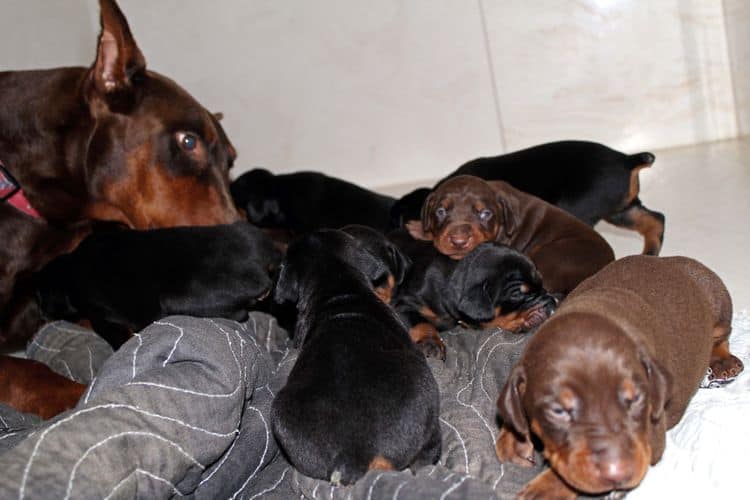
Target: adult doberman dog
(602,380)
(112,142)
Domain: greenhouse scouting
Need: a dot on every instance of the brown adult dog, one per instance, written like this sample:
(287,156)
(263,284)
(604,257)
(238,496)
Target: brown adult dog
(465,211)
(603,379)
(113,142)
(40,390)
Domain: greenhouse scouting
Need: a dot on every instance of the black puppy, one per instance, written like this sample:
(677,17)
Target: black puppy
(587,179)
(360,395)
(121,281)
(306,201)
(493,286)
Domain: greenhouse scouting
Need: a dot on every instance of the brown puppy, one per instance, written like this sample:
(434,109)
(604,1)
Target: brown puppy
(40,391)
(602,380)
(464,211)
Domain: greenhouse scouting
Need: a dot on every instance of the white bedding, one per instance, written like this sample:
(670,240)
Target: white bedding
(706,451)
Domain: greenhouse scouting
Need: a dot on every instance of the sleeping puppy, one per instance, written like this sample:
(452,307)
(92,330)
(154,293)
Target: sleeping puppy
(602,380)
(465,211)
(385,251)
(306,201)
(494,286)
(360,395)
(121,281)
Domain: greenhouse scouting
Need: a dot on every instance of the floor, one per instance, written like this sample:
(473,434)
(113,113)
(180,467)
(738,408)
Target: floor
(704,193)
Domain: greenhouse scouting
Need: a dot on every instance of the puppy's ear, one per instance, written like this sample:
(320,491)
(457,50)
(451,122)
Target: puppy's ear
(416,230)
(660,386)
(474,302)
(509,403)
(509,209)
(287,285)
(401,263)
(118,58)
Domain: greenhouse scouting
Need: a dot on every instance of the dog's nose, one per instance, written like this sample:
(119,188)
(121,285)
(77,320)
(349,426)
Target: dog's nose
(460,240)
(616,472)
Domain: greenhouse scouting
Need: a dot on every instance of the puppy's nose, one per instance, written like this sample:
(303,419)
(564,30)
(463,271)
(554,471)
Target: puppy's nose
(460,240)
(616,472)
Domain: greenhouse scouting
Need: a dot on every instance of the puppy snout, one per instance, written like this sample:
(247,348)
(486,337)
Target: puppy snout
(461,237)
(616,472)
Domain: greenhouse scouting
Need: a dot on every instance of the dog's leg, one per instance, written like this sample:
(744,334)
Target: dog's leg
(548,486)
(426,337)
(647,222)
(724,365)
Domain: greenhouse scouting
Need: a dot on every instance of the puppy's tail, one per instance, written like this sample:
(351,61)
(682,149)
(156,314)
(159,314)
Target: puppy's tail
(640,160)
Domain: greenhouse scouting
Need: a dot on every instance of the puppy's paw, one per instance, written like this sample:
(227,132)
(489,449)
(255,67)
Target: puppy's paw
(432,347)
(510,449)
(722,371)
(547,486)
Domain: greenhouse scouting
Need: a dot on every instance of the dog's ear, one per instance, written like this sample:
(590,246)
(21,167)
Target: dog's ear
(401,263)
(509,208)
(287,285)
(416,230)
(474,302)
(509,403)
(118,58)
(660,386)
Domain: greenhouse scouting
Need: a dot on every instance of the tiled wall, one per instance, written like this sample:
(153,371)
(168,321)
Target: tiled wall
(392,91)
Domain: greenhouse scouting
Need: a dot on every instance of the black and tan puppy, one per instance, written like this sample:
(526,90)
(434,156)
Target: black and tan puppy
(602,380)
(123,280)
(493,286)
(306,201)
(360,395)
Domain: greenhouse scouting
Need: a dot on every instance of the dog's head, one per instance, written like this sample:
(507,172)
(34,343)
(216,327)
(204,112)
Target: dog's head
(155,156)
(593,396)
(459,214)
(385,251)
(496,286)
(255,192)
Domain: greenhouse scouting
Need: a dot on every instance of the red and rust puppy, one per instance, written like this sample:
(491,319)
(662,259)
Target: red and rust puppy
(465,211)
(603,379)
(113,142)
(40,391)
(587,179)
(360,395)
(493,286)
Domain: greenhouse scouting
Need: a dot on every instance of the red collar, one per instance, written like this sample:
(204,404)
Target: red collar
(11,192)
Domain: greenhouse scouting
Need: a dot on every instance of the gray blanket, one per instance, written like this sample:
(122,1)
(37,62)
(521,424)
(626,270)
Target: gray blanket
(182,410)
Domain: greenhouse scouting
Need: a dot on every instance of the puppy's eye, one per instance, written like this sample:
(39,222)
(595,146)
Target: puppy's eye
(187,141)
(441,212)
(559,414)
(485,214)
(634,401)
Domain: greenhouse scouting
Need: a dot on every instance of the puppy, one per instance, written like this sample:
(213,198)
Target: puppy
(602,380)
(493,286)
(306,201)
(124,280)
(588,180)
(465,211)
(360,395)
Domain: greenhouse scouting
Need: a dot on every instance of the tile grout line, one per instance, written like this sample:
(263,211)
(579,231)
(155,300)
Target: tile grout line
(493,80)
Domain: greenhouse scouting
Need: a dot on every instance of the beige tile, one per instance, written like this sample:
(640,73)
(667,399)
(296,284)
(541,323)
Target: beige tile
(628,73)
(737,20)
(376,92)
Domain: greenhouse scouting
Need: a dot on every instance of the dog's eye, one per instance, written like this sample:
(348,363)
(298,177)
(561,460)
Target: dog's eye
(559,414)
(187,141)
(634,401)
(441,212)
(485,214)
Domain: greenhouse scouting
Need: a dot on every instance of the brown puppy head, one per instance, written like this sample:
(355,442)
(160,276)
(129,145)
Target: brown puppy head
(593,397)
(155,156)
(459,214)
